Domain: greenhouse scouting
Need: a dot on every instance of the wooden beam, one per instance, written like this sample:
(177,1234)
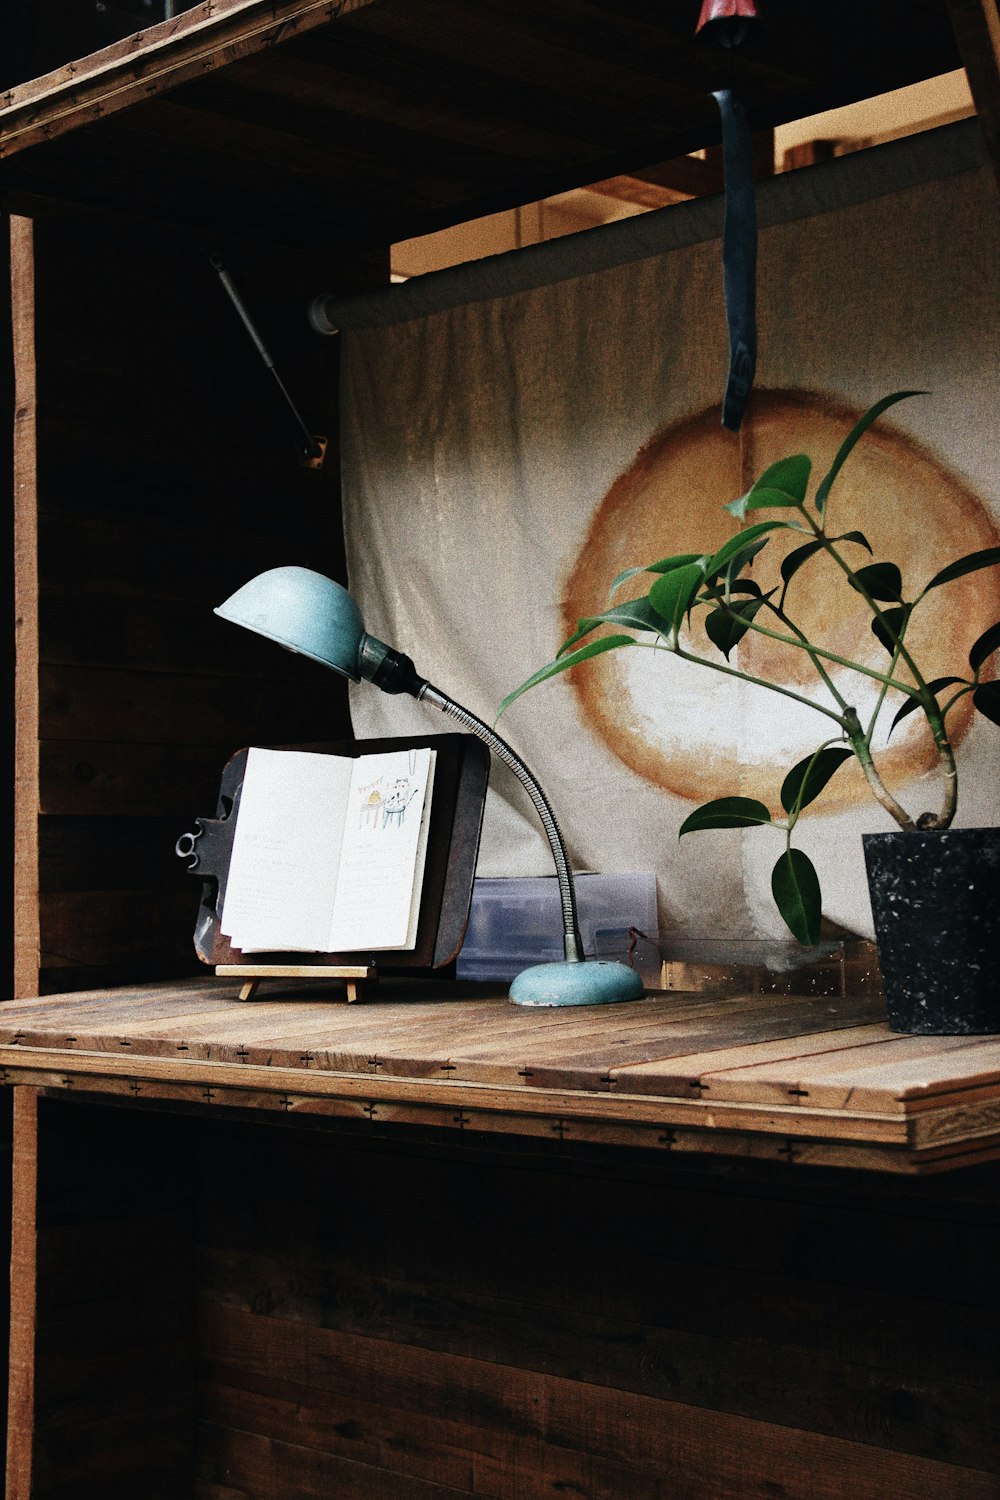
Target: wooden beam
(25,527)
(198,42)
(684,176)
(977,30)
(23,1274)
(637,190)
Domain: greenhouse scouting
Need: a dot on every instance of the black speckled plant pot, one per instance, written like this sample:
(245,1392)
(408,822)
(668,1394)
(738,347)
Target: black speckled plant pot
(937,927)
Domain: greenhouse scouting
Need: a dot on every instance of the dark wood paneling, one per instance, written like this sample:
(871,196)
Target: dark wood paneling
(84,779)
(114,1406)
(93,703)
(525,1327)
(131,927)
(167,478)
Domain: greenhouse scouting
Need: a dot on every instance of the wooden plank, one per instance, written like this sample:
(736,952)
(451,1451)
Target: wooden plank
(187,46)
(98,629)
(87,779)
(23,1285)
(526,1103)
(101,704)
(691,1074)
(976,24)
(701,1453)
(26,689)
(707,1353)
(589,1066)
(444,1118)
(105,853)
(374,80)
(263,1466)
(110,927)
(884,1071)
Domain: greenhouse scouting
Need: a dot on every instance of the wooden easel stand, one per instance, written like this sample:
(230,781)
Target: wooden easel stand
(354,974)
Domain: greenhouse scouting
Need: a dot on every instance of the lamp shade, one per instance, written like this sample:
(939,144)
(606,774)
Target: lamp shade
(304,612)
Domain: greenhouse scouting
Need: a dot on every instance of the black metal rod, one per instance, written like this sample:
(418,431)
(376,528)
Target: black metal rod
(313,449)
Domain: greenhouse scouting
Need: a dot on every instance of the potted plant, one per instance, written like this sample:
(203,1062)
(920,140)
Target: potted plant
(933,888)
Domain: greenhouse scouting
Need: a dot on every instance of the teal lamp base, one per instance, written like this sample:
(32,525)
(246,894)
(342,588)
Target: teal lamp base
(590,982)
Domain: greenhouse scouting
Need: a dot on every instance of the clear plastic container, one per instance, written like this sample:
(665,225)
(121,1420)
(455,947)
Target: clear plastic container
(518,922)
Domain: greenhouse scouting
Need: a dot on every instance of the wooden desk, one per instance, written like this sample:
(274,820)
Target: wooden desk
(802,1079)
(429,1247)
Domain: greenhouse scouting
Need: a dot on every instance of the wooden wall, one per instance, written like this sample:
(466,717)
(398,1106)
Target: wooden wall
(102,1367)
(166,477)
(381,1320)
(403,1317)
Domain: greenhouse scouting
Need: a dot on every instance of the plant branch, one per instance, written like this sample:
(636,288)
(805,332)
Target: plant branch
(872,603)
(908,688)
(949,772)
(660,644)
(880,791)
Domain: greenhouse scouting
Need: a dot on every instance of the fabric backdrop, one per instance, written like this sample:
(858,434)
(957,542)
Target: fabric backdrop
(516,433)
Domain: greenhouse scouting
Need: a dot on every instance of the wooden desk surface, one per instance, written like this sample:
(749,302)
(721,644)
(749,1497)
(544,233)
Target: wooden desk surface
(804,1079)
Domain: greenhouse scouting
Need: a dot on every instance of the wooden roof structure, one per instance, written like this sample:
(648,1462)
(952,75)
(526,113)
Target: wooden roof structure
(370,121)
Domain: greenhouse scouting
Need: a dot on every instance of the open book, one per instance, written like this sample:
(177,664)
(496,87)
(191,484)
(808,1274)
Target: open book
(328,852)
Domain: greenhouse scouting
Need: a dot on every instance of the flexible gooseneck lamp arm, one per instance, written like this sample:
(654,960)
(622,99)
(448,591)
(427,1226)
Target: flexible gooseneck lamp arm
(394,672)
(572,942)
(315,617)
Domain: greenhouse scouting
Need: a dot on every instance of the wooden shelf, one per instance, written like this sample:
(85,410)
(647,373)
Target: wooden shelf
(801,1079)
(437,1243)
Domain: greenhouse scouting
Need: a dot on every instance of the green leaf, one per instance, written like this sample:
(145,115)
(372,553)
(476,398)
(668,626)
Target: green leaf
(987,699)
(727,626)
(583,627)
(638,613)
(912,704)
(782,484)
(665,565)
(805,781)
(796,892)
(985,646)
(883,581)
(606,643)
(720,589)
(857,431)
(672,595)
(743,541)
(742,559)
(969,564)
(793,562)
(726,812)
(892,620)
(854,536)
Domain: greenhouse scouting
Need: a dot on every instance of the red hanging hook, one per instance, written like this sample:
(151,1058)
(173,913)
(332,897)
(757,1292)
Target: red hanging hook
(729,20)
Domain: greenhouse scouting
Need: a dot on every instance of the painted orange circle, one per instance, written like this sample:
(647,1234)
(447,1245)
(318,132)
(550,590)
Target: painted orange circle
(698,734)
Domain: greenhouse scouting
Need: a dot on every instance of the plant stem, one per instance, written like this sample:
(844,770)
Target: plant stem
(881,697)
(807,646)
(861,748)
(872,603)
(843,661)
(949,772)
(772,687)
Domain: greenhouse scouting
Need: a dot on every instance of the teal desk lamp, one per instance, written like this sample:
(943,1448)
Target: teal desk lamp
(315,617)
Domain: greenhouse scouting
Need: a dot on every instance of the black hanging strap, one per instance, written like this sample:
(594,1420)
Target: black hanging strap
(739,256)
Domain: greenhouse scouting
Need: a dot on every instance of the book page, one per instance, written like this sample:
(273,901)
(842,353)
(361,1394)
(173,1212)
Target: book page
(286,851)
(382,853)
